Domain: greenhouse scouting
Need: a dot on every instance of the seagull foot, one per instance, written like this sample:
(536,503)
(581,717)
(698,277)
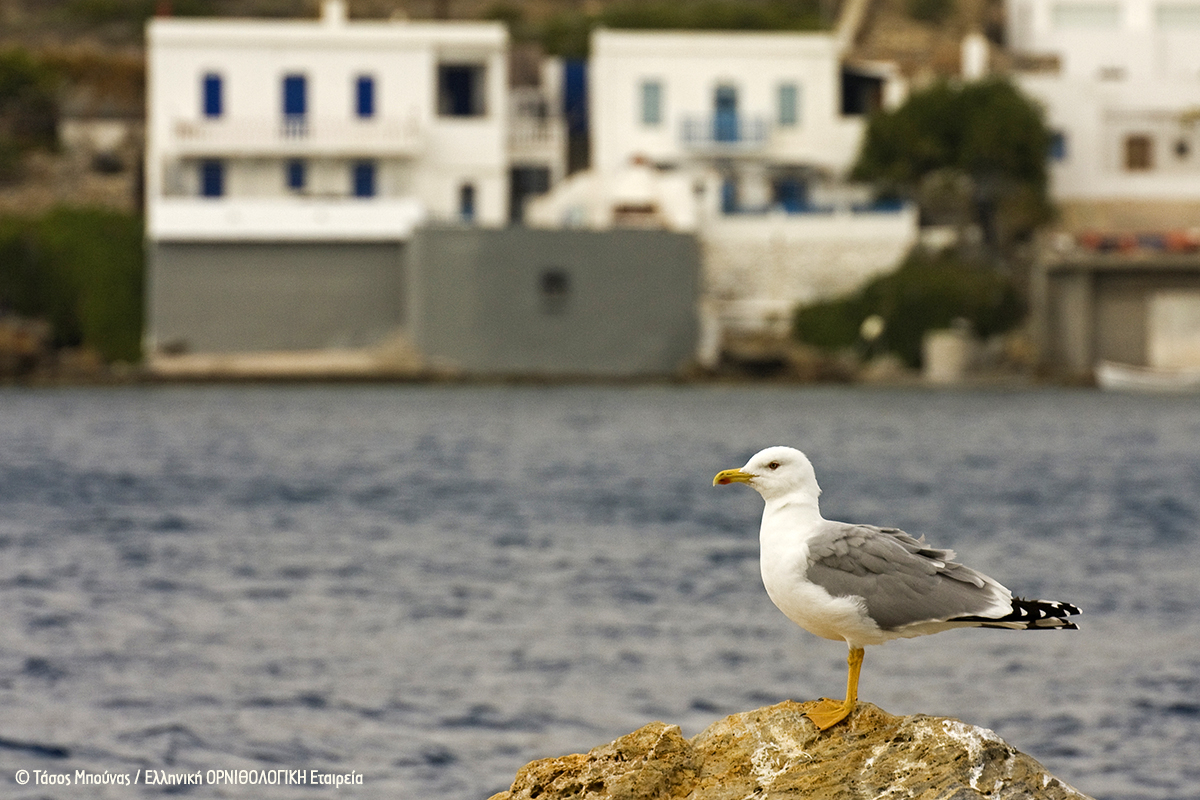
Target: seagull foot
(829,713)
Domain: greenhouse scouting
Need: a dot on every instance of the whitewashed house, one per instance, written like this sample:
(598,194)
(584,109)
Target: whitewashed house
(1120,82)
(289,161)
(744,138)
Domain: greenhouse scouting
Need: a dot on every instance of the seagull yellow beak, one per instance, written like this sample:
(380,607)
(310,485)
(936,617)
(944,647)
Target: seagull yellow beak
(732,476)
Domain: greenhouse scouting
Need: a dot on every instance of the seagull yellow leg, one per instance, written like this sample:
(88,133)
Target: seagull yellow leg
(830,712)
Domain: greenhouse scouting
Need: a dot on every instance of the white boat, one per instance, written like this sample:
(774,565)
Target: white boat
(1131,378)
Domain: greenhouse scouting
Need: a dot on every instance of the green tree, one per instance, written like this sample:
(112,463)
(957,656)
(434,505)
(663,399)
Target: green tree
(28,108)
(979,148)
(927,292)
(81,269)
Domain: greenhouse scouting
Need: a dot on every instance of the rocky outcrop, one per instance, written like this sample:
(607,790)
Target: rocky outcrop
(776,752)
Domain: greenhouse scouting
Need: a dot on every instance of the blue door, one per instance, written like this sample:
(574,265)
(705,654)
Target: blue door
(212,178)
(725,114)
(295,96)
(297,175)
(213,105)
(364,96)
(466,202)
(364,179)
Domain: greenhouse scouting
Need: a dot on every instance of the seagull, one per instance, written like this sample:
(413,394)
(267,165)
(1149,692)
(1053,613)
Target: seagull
(866,585)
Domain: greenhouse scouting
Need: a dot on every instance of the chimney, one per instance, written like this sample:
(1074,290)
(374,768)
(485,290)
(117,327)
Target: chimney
(975,56)
(333,12)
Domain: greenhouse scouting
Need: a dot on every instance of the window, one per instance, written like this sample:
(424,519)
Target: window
(729,195)
(466,202)
(862,94)
(790,194)
(1177,16)
(554,287)
(363,176)
(1069,14)
(213,100)
(461,90)
(652,101)
(364,96)
(295,104)
(1139,153)
(725,114)
(296,175)
(212,178)
(789,105)
(1058,146)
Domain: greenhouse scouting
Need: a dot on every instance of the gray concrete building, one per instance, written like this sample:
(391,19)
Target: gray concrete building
(1138,308)
(555,302)
(453,300)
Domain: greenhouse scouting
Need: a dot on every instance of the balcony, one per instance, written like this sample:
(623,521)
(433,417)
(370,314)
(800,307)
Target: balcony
(283,219)
(725,134)
(294,137)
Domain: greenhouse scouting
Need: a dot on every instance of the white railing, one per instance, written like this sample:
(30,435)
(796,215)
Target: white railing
(295,136)
(732,132)
(283,219)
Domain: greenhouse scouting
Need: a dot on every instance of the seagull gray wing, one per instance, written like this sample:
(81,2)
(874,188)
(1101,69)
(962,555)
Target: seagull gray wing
(901,580)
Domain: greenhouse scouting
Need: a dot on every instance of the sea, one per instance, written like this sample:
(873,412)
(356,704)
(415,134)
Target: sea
(410,591)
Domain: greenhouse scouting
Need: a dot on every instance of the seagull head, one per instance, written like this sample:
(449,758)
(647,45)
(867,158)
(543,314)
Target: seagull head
(776,473)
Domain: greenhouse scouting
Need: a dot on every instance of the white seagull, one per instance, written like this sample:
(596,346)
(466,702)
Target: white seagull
(866,585)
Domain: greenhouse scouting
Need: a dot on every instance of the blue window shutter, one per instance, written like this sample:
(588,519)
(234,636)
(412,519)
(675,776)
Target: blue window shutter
(297,175)
(466,202)
(789,104)
(651,103)
(212,178)
(213,105)
(364,96)
(364,179)
(295,95)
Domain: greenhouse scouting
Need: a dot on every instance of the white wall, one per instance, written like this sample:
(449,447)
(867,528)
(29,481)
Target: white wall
(690,65)
(420,155)
(757,269)
(1130,70)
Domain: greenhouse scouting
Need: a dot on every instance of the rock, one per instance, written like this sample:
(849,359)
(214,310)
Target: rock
(776,752)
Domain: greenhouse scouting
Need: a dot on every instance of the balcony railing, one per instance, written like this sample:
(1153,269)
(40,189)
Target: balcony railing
(283,218)
(295,135)
(725,132)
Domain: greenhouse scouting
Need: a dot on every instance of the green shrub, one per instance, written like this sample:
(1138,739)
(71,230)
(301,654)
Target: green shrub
(80,269)
(566,33)
(930,10)
(926,293)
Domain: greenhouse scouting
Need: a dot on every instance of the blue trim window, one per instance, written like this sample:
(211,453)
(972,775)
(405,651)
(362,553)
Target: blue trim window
(364,96)
(295,105)
(789,105)
(213,95)
(652,99)
(212,178)
(725,114)
(295,95)
(363,178)
(296,174)
(461,90)
(1058,146)
(466,202)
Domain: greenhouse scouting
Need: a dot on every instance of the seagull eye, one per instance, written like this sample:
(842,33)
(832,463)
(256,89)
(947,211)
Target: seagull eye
(773,465)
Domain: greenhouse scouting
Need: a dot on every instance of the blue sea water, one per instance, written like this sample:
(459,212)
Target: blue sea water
(429,586)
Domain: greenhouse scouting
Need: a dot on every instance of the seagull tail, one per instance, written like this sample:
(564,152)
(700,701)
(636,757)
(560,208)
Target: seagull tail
(1030,615)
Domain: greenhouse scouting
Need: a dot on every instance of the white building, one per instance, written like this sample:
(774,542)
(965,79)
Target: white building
(744,138)
(1120,81)
(287,165)
(300,130)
